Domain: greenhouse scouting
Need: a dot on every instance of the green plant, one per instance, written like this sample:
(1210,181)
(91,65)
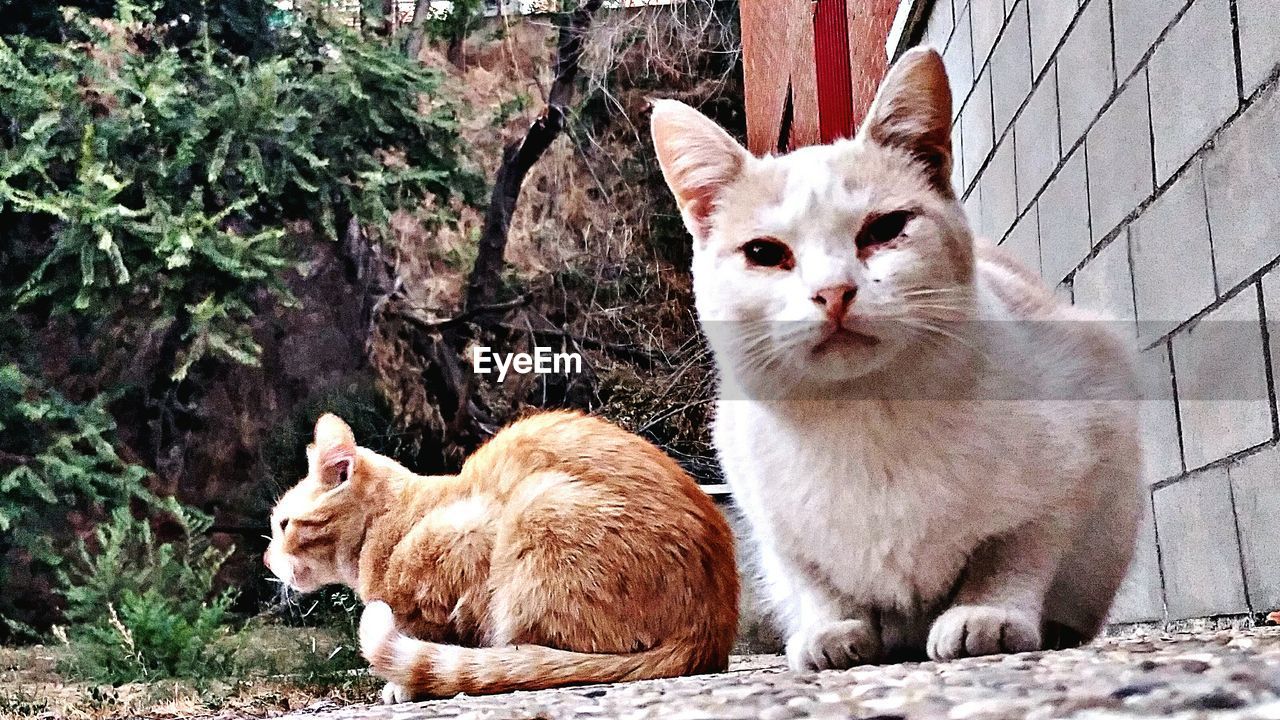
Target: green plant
(143,608)
(169,173)
(57,461)
(454,23)
(157,188)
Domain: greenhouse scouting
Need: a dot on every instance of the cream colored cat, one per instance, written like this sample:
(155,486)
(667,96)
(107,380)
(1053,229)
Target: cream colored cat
(934,455)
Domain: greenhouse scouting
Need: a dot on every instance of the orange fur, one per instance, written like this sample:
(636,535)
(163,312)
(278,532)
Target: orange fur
(566,551)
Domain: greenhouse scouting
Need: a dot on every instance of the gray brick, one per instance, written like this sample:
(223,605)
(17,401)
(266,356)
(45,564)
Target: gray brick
(957,157)
(1085,74)
(999,192)
(1222,382)
(1119,147)
(1193,83)
(1198,547)
(1105,285)
(1011,69)
(1038,150)
(1271,309)
(1049,20)
(988,18)
(977,128)
(1139,22)
(1141,598)
(1172,258)
(1242,180)
(973,209)
(1259,41)
(958,60)
(1157,412)
(1064,218)
(1023,242)
(1256,485)
(942,21)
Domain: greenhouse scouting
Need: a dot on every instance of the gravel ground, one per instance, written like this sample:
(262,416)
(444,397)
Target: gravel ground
(1219,674)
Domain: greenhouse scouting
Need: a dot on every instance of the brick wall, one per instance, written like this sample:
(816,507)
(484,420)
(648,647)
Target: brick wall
(1129,151)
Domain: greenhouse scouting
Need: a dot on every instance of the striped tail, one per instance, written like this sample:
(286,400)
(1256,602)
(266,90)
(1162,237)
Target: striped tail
(425,669)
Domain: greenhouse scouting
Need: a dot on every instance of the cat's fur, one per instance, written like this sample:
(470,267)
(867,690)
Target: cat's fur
(566,551)
(935,456)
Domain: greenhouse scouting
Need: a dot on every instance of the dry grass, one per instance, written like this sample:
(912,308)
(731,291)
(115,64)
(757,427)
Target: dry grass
(595,239)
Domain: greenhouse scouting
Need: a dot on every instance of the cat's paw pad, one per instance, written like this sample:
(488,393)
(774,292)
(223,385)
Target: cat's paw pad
(972,630)
(835,646)
(393,694)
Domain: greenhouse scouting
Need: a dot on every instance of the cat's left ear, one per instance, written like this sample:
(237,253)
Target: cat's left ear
(333,454)
(698,158)
(912,112)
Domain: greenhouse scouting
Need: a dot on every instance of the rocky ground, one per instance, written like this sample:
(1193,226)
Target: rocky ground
(1219,674)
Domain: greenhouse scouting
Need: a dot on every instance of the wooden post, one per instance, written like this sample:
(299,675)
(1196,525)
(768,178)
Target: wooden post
(811,68)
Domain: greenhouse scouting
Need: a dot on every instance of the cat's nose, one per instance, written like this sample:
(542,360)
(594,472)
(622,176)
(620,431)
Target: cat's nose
(835,300)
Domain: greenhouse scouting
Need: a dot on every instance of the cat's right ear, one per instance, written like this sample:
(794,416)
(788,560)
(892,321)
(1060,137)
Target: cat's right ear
(698,158)
(912,112)
(333,454)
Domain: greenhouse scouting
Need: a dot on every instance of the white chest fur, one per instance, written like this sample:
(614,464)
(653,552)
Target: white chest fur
(886,510)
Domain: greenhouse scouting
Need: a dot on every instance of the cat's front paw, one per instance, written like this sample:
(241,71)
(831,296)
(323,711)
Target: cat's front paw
(394,694)
(971,630)
(835,646)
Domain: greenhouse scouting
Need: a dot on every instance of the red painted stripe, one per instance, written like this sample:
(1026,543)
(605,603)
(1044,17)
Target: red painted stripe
(835,81)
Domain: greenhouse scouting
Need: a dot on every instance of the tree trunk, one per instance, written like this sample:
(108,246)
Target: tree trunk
(519,157)
(418,29)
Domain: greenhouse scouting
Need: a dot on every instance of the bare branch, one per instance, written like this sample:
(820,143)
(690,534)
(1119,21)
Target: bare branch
(519,157)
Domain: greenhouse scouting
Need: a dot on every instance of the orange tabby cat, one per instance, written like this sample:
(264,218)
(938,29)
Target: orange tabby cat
(566,551)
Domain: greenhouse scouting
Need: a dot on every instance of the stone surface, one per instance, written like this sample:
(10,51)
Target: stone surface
(1049,21)
(1085,74)
(1223,395)
(1242,177)
(1105,284)
(1199,550)
(1119,147)
(1172,258)
(1193,83)
(1037,139)
(1255,483)
(1011,69)
(1232,673)
(1064,219)
(1259,41)
(1140,22)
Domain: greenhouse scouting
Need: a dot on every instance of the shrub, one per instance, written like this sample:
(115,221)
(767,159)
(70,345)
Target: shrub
(151,182)
(168,173)
(142,608)
(57,461)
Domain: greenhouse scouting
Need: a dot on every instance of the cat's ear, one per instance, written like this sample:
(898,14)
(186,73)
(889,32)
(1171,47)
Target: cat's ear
(912,112)
(698,158)
(333,454)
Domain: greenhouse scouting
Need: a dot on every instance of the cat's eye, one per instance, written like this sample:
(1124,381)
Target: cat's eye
(768,252)
(884,228)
